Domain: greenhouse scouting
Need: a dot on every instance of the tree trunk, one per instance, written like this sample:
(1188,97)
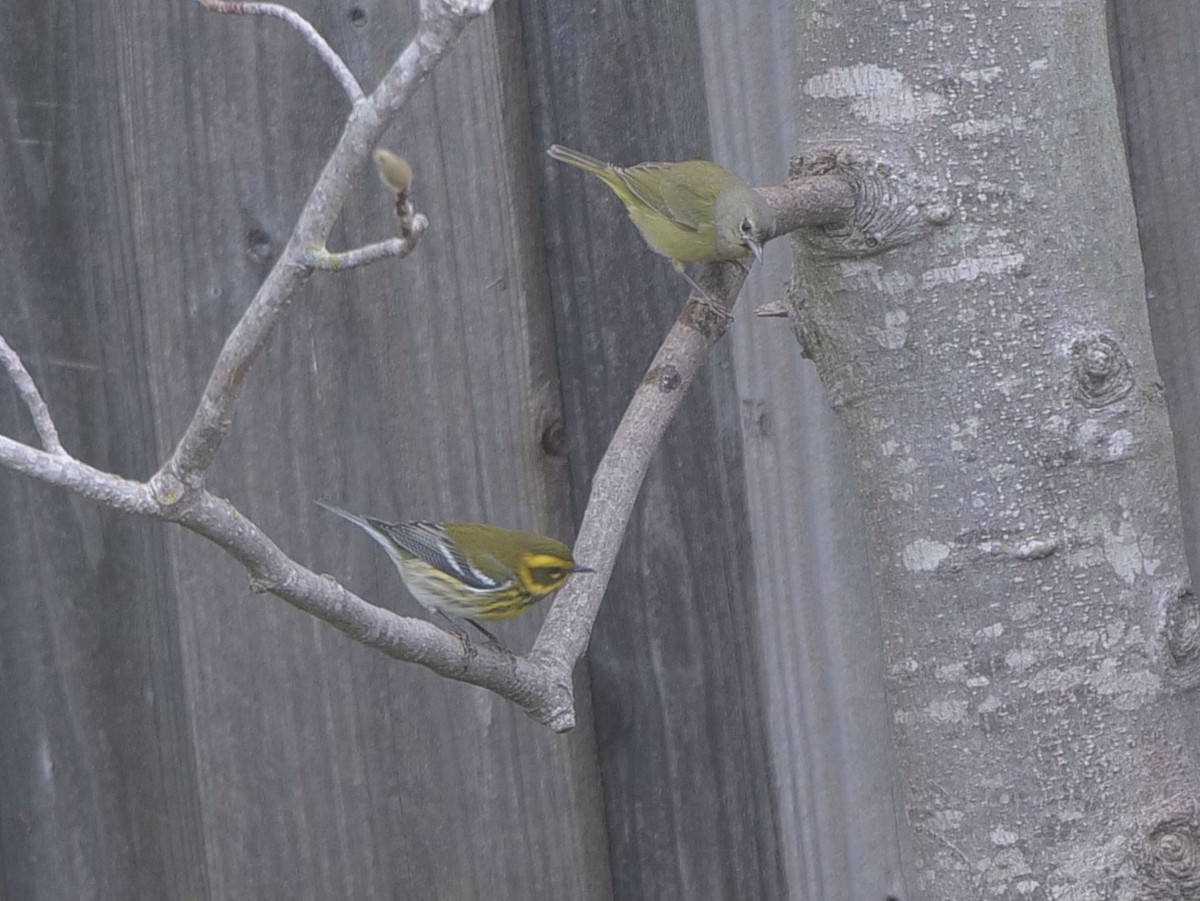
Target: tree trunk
(982,333)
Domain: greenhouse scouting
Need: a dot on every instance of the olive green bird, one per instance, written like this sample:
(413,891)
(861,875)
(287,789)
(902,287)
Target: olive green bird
(689,212)
(471,570)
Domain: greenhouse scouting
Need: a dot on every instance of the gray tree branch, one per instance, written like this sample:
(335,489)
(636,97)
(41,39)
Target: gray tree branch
(328,56)
(398,248)
(32,398)
(540,683)
(441,23)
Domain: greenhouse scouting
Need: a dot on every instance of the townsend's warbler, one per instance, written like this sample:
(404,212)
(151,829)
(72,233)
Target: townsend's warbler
(471,570)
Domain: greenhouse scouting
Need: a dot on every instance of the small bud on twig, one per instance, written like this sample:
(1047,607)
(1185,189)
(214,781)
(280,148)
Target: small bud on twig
(394,170)
(396,175)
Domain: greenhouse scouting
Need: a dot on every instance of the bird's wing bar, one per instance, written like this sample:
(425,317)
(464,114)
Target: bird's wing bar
(429,542)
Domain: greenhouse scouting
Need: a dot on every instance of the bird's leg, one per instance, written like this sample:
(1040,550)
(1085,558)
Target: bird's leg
(695,284)
(492,638)
(459,632)
(465,638)
(706,298)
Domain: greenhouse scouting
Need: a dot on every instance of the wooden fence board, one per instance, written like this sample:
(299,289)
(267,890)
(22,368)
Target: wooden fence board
(307,766)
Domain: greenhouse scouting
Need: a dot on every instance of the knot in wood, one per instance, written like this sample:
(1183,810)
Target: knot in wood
(554,439)
(258,245)
(1102,372)
(890,207)
(666,378)
(1183,627)
(1172,865)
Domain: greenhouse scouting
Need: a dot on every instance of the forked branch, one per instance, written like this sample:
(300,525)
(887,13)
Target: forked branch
(540,682)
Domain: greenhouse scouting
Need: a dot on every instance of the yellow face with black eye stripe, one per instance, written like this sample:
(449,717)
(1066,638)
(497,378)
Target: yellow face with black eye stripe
(541,574)
(471,570)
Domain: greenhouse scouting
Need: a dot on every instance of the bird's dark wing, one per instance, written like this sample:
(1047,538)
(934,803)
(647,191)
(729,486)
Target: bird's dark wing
(428,541)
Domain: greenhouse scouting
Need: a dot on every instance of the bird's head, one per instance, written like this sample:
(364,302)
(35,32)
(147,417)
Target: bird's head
(744,223)
(542,571)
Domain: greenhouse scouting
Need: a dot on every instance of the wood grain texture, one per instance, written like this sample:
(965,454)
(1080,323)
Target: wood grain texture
(680,709)
(98,773)
(841,826)
(214,743)
(1158,82)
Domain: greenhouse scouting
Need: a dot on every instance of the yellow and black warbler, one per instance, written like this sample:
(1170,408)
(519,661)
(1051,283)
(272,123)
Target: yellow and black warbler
(471,570)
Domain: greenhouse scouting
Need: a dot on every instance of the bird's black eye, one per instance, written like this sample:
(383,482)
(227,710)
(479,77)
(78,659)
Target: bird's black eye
(747,228)
(547,575)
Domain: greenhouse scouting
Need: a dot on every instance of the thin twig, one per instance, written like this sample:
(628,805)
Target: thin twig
(519,680)
(442,21)
(29,393)
(349,259)
(328,55)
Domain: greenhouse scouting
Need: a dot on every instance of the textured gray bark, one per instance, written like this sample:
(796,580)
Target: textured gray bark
(983,336)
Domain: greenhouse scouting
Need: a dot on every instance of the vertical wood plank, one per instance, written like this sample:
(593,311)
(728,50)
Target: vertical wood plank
(304,765)
(1157,82)
(674,658)
(841,827)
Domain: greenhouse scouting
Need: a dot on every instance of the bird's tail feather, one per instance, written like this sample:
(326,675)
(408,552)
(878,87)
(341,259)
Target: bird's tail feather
(367,526)
(575,158)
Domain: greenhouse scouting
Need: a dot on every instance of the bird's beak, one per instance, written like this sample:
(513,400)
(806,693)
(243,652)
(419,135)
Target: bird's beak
(583,569)
(755,248)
